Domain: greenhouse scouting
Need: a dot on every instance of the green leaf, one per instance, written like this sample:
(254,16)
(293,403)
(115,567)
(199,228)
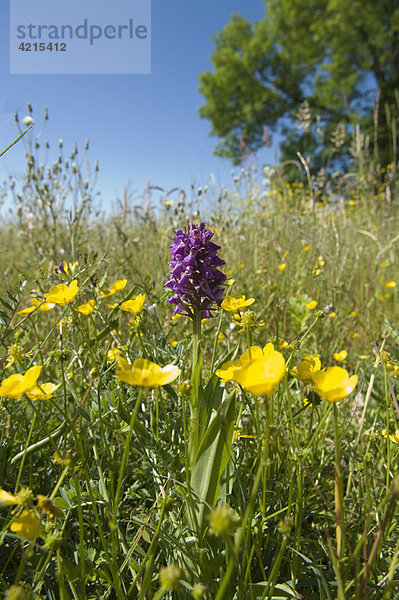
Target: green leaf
(61,503)
(211,399)
(6,304)
(283,590)
(112,325)
(211,459)
(393,332)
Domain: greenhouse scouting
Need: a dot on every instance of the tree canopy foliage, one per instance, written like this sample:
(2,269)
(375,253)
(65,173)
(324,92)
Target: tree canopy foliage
(329,65)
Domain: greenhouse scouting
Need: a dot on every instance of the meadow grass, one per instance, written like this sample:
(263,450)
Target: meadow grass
(102,495)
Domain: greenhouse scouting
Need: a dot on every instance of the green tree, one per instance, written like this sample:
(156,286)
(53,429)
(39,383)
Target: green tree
(335,62)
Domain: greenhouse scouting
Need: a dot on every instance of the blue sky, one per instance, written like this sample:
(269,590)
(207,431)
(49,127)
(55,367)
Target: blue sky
(139,126)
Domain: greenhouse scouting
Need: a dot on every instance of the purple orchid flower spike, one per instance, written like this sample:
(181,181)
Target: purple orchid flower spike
(195,280)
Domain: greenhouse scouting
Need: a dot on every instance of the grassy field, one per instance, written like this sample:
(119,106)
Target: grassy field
(127,481)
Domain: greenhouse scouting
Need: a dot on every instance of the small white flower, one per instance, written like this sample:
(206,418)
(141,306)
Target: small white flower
(27,121)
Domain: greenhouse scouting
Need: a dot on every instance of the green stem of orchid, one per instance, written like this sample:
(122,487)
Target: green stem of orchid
(196,382)
(196,338)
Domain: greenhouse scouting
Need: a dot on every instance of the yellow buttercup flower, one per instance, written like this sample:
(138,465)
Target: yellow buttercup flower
(259,374)
(231,304)
(38,305)
(17,385)
(145,373)
(7,499)
(134,305)
(340,356)
(282,266)
(62,294)
(117,286)
(304,370)
(112,354)
(27,525)
(393,437)
(228,369)
(390,284)
(311,305)
(333,384)
(283,345)
(88,308)
(44,391)
(262,375)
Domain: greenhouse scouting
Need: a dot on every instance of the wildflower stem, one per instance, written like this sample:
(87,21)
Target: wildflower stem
(339,493)
(265,453)
(196,338)
(305,335)
(25,450)
(125,456)
(185,437)
(195,391)
(319,426)
(388,441)
(82,536)
(240,535)
(50,438)
(16,140)
(59,482)
(249,341)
